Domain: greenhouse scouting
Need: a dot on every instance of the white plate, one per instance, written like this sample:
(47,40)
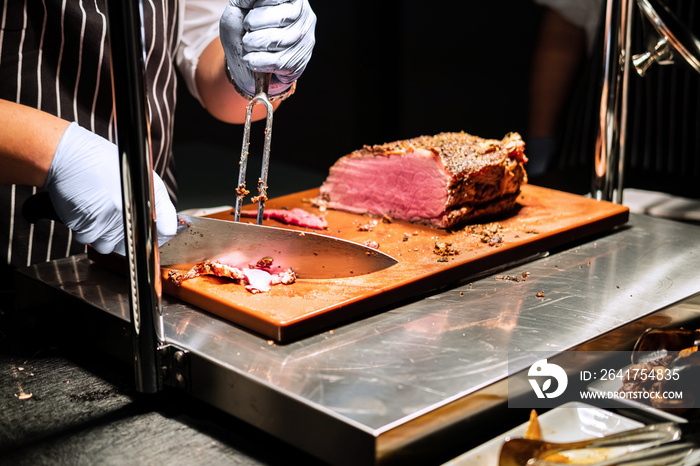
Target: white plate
(568,423)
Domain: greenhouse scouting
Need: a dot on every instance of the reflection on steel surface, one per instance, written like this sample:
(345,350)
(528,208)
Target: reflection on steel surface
(612,127)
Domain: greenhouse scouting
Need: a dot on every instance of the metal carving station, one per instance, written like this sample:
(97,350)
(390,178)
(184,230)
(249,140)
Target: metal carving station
(405,381)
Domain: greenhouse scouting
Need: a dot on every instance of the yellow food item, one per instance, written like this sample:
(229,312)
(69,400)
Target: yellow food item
(558,458)
(533,431)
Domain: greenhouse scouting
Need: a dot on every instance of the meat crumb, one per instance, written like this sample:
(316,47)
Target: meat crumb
(489,233)
(369,226)
(284,278)
(371,244)
(495,239)
(444,249)
(540,294)
(514,278)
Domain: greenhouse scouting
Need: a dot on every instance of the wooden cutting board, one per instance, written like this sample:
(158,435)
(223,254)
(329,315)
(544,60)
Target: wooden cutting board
(543,219)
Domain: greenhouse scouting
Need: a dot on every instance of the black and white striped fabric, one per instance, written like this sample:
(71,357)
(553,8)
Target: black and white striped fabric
(54,56)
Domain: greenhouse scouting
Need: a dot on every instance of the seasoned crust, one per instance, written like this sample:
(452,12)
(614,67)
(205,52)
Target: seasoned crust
(461,216)
(462,153)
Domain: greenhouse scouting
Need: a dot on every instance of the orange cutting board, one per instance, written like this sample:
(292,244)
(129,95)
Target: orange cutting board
(542,220)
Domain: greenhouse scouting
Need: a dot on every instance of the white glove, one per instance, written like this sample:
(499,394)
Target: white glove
(84,185)
(267,36)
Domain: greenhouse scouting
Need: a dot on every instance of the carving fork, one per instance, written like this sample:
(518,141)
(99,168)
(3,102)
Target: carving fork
(262,84)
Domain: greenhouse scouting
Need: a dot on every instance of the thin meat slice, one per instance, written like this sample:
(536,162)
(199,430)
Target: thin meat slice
(216,269)
(444,180)
(295,216)
(256,279)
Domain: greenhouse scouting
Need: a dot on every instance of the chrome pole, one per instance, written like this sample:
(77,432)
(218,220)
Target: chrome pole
(612,129)
(133,141)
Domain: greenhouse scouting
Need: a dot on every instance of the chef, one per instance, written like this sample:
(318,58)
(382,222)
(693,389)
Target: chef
(56,109)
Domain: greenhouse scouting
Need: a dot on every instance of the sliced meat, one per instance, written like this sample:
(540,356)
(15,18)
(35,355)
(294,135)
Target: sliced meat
(206,268)
(256,279)
(295,216)
(444,180)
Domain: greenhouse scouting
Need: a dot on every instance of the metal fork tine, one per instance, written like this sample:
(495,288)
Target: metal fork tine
(262,84)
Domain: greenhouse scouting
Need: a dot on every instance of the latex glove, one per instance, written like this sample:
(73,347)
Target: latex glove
(268,36)
(84,185)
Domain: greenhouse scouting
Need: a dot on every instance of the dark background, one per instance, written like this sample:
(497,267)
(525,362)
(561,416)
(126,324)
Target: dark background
(380,71)
(393,70)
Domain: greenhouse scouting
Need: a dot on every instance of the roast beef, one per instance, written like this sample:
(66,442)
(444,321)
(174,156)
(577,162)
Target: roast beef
(446,180)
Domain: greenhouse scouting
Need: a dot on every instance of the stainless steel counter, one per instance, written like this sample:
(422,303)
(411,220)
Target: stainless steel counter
(415,377)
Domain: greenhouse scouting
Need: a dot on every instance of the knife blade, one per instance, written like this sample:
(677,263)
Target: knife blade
(310,255)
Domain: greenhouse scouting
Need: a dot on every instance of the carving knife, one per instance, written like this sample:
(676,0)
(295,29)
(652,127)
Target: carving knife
(310,255)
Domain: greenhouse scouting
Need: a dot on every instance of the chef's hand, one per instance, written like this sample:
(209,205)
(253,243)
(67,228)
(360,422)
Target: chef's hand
(267,36)
(85,189)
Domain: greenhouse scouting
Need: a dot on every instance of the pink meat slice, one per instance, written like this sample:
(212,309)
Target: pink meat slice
(295,216)
(408,186)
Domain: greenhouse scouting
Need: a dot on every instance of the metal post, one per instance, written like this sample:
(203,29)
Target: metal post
(610,141)
(129,94)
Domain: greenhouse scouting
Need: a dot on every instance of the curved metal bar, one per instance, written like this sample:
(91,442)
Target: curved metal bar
(129,94)
(675,38)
